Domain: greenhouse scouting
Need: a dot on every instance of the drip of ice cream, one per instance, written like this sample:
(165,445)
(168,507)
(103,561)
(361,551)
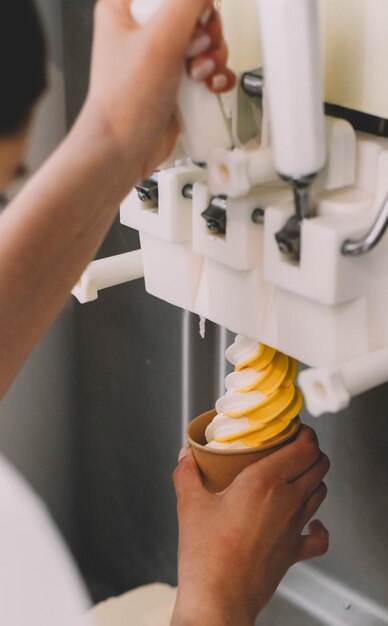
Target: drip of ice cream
(261,399)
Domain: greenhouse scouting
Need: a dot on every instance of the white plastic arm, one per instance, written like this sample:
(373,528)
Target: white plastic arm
(108,272)
(330,389)
(293,79)
(200,114)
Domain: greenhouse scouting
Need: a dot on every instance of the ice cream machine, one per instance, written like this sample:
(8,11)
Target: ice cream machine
(269,218)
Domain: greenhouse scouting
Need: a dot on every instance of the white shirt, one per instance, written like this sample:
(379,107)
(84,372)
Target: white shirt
(39,583)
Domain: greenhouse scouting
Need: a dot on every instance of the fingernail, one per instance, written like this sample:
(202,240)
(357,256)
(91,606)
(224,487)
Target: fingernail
(203,69)
(199,45)
(205,17)
(184,451)
(316,523)
(219,81)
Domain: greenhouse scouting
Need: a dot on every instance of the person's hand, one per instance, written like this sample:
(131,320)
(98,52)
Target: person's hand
(136,69)
(236,546)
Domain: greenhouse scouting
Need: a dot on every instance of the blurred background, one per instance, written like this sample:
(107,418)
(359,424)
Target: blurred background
(95,419)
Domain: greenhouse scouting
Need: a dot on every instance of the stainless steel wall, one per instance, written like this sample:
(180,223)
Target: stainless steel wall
(356,511)
(132,395)
(131,352)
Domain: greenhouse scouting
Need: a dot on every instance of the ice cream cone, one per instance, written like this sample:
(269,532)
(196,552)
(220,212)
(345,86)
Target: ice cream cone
(220,467)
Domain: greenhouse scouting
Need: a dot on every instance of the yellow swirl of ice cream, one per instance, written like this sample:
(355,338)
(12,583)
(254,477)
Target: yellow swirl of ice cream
(261,399)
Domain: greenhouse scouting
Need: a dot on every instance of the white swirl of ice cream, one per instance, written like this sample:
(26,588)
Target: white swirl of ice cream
(261,399)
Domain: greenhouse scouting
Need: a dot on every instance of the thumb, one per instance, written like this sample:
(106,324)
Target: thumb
(187,477)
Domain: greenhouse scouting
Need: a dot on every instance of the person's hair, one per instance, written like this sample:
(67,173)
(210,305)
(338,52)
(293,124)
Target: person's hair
(22,63)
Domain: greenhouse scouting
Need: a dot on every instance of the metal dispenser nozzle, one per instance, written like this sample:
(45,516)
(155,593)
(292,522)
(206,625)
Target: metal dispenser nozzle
(214,215)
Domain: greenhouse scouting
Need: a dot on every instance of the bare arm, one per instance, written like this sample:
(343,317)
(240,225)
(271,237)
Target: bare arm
(55,226)
(48,235)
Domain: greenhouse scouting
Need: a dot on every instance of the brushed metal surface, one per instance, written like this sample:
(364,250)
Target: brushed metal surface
(132,369)
(306,597)
(356,509)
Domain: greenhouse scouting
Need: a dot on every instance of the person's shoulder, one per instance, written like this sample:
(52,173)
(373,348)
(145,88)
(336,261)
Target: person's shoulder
(38,578)
(15,492)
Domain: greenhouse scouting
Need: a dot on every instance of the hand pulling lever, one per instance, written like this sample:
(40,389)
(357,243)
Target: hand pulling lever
(200,114)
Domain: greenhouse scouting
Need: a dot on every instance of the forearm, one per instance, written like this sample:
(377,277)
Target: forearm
(54,227)
(49,234)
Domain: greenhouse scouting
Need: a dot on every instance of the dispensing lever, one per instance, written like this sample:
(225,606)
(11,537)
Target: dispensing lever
(200,114)
(291,52)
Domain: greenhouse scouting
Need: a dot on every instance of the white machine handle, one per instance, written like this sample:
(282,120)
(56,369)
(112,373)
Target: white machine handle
(291,54)
(331,388)
(200,114)
(108,272)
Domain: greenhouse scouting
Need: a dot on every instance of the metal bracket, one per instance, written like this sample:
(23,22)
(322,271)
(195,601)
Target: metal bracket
(252,83)
(357,247)
(288,238)
(148,190)
(214,214)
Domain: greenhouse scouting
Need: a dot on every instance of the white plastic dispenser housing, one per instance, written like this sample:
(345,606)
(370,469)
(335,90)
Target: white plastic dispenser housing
(209,236)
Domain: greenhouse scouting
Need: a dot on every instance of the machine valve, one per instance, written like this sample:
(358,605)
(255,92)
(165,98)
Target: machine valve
(288,238)
(148,191)
(215,216)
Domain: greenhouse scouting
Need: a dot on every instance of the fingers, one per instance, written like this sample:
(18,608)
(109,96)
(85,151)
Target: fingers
(316,543)
(210,36)
(212,69)
(222,81)
(192,29)
(295,458)
(309,481)
(209,64)
(217,58)
(312,504)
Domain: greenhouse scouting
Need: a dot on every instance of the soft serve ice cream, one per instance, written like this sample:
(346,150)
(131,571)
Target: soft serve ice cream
(261,400)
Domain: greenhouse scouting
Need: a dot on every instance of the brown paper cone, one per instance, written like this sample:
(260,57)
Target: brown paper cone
(220,467)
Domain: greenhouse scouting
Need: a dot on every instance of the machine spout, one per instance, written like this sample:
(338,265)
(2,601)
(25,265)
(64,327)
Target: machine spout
(330,389)
(108,272)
